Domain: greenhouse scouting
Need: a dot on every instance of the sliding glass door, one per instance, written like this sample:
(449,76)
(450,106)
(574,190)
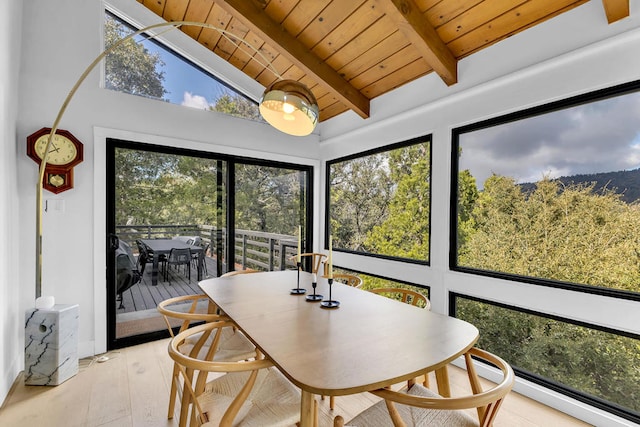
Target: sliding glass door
(233,213)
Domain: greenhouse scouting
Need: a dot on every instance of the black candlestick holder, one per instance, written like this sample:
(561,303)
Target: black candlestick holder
(298,290)
(314,297)
(330,303)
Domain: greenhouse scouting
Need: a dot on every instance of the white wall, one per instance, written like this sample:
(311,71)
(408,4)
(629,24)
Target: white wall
(11,316)
(73,249)
(583,69)
(493,82)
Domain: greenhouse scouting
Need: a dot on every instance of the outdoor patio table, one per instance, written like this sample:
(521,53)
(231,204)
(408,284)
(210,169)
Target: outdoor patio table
(163,247)
(369,342)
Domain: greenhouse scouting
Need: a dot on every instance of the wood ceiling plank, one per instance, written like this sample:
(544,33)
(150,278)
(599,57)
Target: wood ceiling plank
(198,11)
(174,10)
(217,17)
(365,43)
(328,21)
(354,31)
(274,34)
(300,17)
(374,55)
(615,9)
(156,6)
(278,10)
(389,66)
(505,25)
(423,37)
(480,15)
(332,111)
(410,72)
(446,11)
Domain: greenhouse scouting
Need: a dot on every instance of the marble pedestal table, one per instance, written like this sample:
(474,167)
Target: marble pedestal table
(50,344)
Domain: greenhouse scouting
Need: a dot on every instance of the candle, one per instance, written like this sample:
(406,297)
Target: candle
(330,257)
(299,243)
(315,278)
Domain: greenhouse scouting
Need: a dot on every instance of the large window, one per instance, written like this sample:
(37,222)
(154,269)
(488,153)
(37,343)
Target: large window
(379,202)
(600,367)
(145,67)
(550,195)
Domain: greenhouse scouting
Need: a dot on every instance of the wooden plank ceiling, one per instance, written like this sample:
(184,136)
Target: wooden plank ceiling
(349,52)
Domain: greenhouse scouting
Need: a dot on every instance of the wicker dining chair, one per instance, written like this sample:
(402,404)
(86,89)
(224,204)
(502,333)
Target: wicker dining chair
(189,310)
(420,406)
(251,393)
(316,260)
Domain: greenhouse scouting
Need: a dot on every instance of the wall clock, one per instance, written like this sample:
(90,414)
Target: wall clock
(65,152)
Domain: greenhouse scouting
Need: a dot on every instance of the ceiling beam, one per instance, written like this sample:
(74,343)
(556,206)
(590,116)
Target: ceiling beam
(274,34)
(616,9)
(423,37)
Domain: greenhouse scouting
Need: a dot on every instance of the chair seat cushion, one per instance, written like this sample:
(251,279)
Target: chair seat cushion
(233,346)
(273,400)
(378,415)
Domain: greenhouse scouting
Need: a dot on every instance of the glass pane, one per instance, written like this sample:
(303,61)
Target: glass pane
(380,202)
(164,199)
(271,205)
(372,282)
(147,68)
(554,196)
(599,365)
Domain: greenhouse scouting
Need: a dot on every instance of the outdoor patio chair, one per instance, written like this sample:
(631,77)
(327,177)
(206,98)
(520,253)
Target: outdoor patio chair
(195,309)
(178,257)
(420,406)
(251,392)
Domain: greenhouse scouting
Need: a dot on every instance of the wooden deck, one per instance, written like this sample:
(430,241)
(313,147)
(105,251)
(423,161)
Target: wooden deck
(143,296)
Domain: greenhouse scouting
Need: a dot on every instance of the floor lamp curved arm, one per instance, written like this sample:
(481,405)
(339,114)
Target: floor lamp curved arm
(62,110)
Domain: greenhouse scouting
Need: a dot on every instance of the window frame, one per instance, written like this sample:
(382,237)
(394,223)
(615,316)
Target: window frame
(551,384)
(582,99)
(390,147)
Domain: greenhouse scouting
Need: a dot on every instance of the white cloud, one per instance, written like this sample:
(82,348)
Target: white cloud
(195,101)
(596,137)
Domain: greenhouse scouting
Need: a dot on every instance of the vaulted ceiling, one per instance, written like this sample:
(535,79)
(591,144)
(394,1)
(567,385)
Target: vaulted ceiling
(351,51)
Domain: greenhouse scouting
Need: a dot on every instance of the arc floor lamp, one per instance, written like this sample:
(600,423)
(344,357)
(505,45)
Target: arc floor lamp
(287,105)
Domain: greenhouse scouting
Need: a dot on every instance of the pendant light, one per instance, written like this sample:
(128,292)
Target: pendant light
(290,107)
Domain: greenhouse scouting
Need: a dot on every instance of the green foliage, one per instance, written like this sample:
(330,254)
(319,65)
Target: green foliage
(130,68)
(237,105)
(601,364)
(381,203)
(405,231)
(563,233)
(269,199)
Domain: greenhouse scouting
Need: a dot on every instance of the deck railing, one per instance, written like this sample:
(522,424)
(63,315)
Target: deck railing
(253,249)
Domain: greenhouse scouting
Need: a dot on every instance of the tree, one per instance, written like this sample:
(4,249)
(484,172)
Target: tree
(555,232)
(360,193)
(237,105)
(131,68)
(404,232)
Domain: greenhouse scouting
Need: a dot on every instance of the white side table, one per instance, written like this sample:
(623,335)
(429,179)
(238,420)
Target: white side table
(51,344)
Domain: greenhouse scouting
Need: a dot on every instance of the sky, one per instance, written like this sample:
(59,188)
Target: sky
(186,84)
(601,136)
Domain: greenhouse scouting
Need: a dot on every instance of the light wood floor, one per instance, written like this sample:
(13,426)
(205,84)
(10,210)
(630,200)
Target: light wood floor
(132,389)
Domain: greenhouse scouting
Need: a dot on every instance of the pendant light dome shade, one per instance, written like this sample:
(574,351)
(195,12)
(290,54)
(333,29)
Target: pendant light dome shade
(290,107)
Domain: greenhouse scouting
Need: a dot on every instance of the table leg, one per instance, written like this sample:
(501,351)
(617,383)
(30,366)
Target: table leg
(154,269)
(200,264)
(306,409)
(442,378)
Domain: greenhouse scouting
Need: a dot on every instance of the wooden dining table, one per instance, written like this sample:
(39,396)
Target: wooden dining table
(368,342)
(161,247)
